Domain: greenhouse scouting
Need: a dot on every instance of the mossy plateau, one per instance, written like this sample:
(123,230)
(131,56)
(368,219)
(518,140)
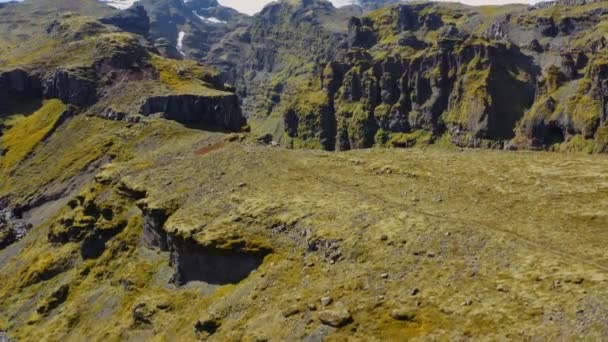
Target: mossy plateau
(375,230)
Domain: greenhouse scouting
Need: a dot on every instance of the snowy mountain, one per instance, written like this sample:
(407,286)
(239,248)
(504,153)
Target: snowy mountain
(238,4)
(120,4)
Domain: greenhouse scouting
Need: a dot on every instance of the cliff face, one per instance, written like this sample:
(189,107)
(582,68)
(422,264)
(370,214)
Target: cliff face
(222,111)
(112,71)
(467,90)
(477,76)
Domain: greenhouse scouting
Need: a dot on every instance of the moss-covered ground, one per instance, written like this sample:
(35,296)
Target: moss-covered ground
(471,244)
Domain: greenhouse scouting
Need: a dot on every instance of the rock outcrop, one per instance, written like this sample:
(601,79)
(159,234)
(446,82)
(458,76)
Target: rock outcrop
(406,73)
(218,111)
(134,19)
(71,86)
(12,228)
(210,264)
(19,82)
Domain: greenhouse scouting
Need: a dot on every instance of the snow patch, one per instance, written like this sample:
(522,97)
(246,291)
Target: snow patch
(120,4)
(180,42)
(341,3)
(209,19)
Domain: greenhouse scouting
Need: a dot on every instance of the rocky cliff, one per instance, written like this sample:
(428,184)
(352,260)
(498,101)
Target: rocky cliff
(408,72)
(108,68)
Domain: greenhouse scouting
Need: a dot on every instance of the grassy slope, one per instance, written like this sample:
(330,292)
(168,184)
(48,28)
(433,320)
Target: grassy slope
(25,133)
(458,225)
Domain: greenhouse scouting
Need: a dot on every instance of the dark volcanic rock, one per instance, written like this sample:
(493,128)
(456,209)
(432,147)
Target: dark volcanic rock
(7,235)
(153,221)
(219,111)
(12,228)
(360,35)
(134,19)
(194,262)
(18,82)
(71,86)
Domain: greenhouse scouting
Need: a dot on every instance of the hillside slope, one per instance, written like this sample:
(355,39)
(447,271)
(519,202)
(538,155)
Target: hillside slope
(290,245)
(136,205)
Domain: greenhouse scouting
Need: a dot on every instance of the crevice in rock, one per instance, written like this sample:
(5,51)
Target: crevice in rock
(212,265)
(153,220)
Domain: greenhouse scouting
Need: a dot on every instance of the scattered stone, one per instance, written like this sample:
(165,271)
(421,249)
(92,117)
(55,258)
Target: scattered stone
(402,314)
(467,302)
(242,185)
(291,311)
(335,318)
(415,291)
(575,280)
(325,301)
(431,254)
(264,139)
(437,200)
(384,276)
(312,307)
(335,255)
(502,288)
(127,284)
(384,237)
(142,314)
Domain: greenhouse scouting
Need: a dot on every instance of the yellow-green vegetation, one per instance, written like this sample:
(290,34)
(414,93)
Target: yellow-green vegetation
(310,108)
(41,50)
(27,132)
(375,230)
(82,141)
(149,230)
(416,138)
(475,98)
(186,77)
(575,100)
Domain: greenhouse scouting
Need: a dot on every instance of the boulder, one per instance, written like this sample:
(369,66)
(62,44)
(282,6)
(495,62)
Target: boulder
(335,318)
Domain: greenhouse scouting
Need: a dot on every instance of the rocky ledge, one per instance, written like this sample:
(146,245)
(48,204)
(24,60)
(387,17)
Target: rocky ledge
(219,111)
